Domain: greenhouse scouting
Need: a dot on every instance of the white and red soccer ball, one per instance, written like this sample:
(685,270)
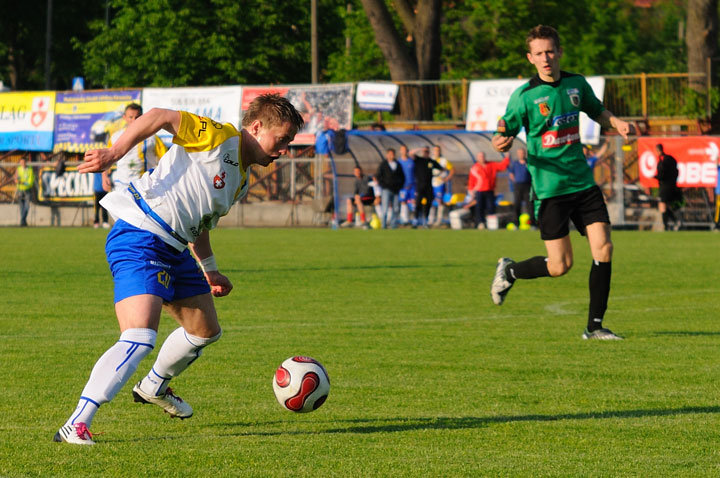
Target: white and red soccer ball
(301,384)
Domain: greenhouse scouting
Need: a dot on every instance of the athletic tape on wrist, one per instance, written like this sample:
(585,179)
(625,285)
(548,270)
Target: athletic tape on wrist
(208,264)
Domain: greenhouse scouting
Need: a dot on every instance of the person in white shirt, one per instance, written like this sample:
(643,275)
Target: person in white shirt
(144,156)
(160,218)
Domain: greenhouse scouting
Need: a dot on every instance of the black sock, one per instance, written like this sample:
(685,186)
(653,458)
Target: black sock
(599,282)
(666,219)
(528,269)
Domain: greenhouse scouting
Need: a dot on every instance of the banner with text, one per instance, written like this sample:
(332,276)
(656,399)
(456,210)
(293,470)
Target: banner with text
(221,103)
(376,96)
(27,121)
(71,187)
(488,99)
(86,120)
(322,107)
(696,156)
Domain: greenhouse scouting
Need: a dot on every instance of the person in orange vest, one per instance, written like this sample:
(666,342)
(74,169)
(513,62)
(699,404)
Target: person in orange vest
(482,179)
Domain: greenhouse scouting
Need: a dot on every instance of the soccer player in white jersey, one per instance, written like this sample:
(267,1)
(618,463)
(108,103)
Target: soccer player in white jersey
(144,156)
(159,220)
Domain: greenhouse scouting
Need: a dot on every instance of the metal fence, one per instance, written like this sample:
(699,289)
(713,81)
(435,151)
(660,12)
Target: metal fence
(664,97)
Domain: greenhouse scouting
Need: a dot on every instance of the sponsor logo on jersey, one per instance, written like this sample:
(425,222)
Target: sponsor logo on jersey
(203,126)
(160,264)
(219,181)
(544,109)
(555,139)
(228,160)
(541,100)
(563,120)
(574,95)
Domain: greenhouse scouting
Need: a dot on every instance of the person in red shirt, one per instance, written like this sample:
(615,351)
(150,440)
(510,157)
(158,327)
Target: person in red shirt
(481,182)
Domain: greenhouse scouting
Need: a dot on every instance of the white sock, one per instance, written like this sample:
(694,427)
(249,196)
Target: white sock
(112,371)
(178,351)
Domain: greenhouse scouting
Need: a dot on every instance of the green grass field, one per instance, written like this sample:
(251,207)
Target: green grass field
(429,378)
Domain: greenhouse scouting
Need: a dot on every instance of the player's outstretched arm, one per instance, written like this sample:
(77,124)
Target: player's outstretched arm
(97,160)
(220,285)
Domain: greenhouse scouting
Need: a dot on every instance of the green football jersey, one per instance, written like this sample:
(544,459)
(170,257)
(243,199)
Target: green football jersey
(550,113)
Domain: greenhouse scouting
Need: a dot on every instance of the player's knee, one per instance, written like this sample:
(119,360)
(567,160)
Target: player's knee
(559,268)
(604,252)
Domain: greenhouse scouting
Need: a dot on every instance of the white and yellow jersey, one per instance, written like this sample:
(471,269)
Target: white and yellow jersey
(195,183)
(439,175)
(143,157)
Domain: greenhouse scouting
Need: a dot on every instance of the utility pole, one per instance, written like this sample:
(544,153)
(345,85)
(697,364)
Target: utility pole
(314,41)
(48,43)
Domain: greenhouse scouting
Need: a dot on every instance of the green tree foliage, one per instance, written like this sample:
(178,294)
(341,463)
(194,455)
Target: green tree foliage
(22,42)
(220,42)
(486,38)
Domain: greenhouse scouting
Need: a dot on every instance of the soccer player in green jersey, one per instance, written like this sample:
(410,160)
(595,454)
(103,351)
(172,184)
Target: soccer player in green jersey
(549,107)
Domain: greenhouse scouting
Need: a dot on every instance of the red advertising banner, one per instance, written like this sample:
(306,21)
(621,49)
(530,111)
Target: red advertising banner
(697,158)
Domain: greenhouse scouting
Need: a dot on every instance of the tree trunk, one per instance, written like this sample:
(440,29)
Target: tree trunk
(415,101)
(701,39)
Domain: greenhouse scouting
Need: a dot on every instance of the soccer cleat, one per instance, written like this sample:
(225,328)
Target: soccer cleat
(500,284)
(171,403)
(76,434)
(600,334)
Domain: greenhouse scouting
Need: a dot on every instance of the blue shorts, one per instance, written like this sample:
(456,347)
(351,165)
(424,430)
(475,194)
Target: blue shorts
(407,194)
(142,263)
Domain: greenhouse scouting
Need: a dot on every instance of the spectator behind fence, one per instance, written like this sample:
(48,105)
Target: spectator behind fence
(363,195)
(407,193)
(391,178)
(441,183)
(141,158)
(520,179)
(101,186)
(670,194)
(25,179)
(423,184)
(484,174)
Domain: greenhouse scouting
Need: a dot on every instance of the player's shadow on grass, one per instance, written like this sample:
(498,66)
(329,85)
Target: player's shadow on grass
(345,268)
(458,423)
(685,333)
(385,425)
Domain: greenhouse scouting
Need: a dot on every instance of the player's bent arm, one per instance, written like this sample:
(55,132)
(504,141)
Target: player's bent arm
(502,143)
(219,284)
(97,160)
(609,120)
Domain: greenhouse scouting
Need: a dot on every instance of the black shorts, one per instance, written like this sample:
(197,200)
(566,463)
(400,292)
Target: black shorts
(669,193)
(583,208)
(367,200)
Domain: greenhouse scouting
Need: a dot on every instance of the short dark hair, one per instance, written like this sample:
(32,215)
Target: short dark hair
(543,32)
(136,107)
(391,149)
(660,147)
(272,110)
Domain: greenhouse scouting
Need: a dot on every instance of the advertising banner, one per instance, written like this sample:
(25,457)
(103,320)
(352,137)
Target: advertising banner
(488,99)
(86,120)
(69,188)
(221,103)
(376,96)
(322,106)
(27,121)
(696,156)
